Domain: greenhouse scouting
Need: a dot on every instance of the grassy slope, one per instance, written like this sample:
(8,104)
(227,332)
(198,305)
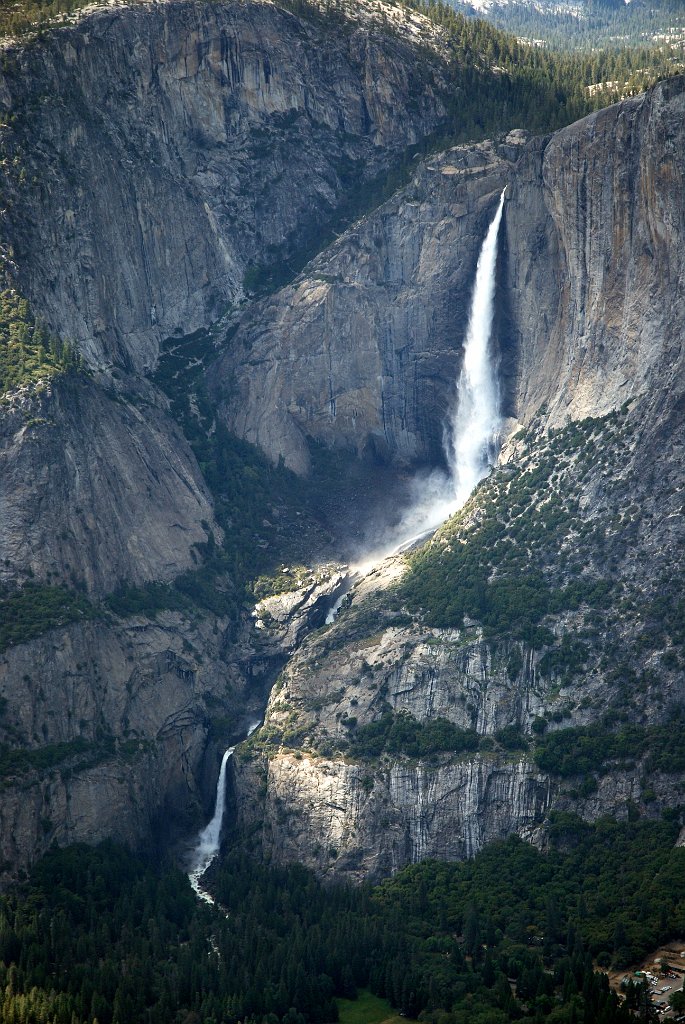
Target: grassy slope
(367,1009)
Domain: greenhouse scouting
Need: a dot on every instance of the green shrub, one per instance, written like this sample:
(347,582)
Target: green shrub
(24,16)
(590,748)
(402,734)
(27,351)
(35,609)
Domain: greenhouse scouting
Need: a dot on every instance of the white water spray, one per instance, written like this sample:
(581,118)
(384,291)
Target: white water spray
(209,839)
(334,609)
(473,422)
(210,836)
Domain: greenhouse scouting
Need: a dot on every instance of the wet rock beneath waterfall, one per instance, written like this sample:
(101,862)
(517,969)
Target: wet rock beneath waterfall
(287,618)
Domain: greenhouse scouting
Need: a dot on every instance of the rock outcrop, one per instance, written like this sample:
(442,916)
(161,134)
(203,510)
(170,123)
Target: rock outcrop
(155,152)
(343,820)
(617,485)
(96,489)
(595,269)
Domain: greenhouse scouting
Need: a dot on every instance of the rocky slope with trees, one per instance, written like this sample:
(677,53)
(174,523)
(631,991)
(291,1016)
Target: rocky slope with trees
(152,212)
(544,623)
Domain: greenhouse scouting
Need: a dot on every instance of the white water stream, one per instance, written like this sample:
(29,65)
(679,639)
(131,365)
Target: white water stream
(474,422)
(209,839)
(470,436)
(470,442)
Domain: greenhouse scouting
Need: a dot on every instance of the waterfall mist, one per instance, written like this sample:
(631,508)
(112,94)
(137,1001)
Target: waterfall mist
(471,431)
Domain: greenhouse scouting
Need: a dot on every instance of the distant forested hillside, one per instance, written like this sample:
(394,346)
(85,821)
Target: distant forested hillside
(542,88)
(594,24)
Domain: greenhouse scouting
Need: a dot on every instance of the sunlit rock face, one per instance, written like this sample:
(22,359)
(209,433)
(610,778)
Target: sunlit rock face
(343,821)
(595,269)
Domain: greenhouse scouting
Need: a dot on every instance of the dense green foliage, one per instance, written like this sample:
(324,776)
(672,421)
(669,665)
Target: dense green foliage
(146,600)
(98,934)
(17,17)
(27,351)
(70,756)
(540,89)
(618,886)
(588,748)
(35,609)
(366,1008)
(404,734)
(517,561)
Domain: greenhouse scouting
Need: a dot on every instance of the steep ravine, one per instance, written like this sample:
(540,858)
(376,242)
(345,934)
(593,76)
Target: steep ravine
(156,159)
(159,161)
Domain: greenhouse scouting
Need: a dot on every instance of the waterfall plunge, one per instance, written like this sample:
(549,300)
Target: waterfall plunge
(209,839)
(474,422)
(471,430)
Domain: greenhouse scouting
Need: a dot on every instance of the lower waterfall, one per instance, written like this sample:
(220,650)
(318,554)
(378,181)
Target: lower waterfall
(209,839)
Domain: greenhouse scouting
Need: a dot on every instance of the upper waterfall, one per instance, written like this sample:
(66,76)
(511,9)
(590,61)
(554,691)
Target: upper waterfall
(470,433)
(474,421)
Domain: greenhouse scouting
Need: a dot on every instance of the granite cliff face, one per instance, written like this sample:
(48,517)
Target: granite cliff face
(152,156)
(590,293)
(119,719)
(154,153)
(96,490)
(343,822)
(160,160)
(594,267)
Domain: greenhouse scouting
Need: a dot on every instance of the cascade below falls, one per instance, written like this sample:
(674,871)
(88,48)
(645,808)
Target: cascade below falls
(471,431)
